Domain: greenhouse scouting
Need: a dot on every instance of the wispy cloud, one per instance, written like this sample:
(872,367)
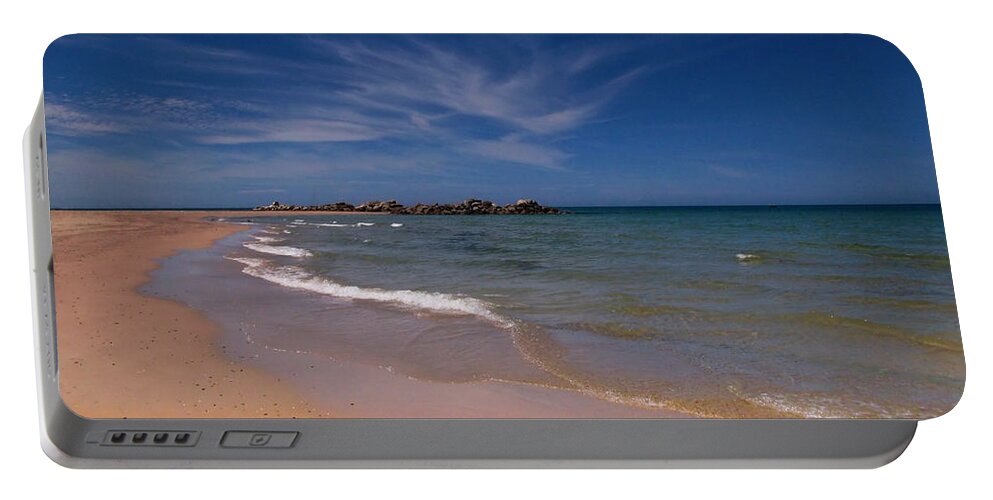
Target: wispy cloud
(304,130)
(115,113)
(512,149)
(407,89)
(64,119)
(532,92)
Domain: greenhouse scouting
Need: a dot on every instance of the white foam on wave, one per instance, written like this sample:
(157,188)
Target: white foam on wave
(287,231)
(396,224)
(278,250)
(443,303)
(267,239)
(747,257)
(337,224)
(248,261)
(821,406)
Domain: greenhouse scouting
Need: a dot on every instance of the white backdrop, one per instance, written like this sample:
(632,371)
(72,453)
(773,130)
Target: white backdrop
(949,46)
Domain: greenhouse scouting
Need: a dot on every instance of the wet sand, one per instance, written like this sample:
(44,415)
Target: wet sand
(125,354)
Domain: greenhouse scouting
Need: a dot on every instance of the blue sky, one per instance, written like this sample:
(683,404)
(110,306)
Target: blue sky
(237,121)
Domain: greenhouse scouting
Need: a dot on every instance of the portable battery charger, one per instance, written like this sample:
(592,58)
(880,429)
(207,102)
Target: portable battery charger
(486,251)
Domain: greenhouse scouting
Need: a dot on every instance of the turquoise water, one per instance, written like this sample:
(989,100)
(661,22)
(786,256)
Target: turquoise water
(750,311)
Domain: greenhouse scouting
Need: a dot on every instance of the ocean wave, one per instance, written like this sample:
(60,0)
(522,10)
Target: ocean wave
(929,260)
(436,302)
(837,322)
(829,406)
(639,309)
(248,261)
(396,224)
(616,330)
(338,224)
(905,304)
(747,257)
(526,338)
(278,250)
(267,239)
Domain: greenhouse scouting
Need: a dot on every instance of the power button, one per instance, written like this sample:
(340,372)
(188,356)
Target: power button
(258,439)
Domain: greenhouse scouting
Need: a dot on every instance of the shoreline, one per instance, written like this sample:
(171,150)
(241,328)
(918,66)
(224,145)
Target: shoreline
(158,358)
(163,359)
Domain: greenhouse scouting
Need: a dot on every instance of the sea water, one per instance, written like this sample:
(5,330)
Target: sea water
(828,311)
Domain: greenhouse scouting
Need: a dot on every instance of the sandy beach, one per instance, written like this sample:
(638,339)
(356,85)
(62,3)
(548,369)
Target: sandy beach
(126,354)
(123,354)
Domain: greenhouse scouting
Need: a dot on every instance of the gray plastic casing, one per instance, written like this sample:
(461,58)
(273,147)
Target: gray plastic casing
(74,441)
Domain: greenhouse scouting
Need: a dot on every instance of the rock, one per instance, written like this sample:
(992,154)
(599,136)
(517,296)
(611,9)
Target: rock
(272,206)
(471,206)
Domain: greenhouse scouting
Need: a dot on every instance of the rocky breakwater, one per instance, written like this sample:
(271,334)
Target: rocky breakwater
(467,207)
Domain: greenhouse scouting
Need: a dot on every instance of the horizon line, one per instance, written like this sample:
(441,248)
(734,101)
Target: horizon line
(741,205)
